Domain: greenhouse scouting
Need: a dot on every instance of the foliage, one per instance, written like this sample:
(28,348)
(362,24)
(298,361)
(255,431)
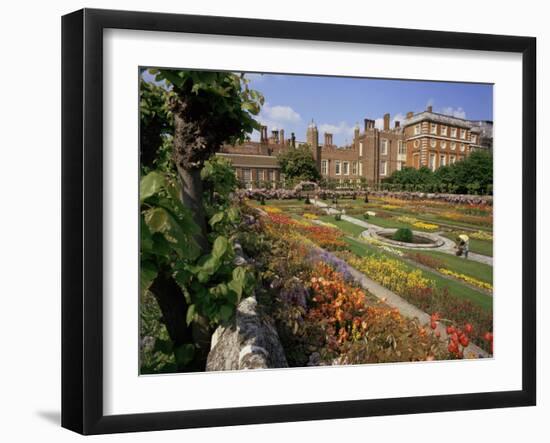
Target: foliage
(215,108)
(403,235)
(155,126)
(472,175)
(298,164)
(214,285)
(166,227)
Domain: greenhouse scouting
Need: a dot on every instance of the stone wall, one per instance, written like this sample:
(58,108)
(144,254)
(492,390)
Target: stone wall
(249,342)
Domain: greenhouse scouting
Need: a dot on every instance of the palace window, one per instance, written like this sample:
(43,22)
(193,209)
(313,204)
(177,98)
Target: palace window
(261,174)
(433,128)
(400,165)
(337,167)
(433,142)
(452,159)
(432,162)
(247,178)
(442,160)
(383,167)
(354,168)
(402,149)
(453,146)
(384,146)
(443,145)
(453,132)
(473,138)
(462,147)
(416,143)
(360,168)
(443,130)
(463,134)
(324,167)
(360,149)
(345,168)
(417,129)
(272,176)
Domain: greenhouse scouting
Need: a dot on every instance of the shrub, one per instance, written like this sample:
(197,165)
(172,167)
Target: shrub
(403,235)
(338,217)
(366,216)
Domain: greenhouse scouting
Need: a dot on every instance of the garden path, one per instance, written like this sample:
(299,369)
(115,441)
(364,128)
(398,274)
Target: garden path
(448,246)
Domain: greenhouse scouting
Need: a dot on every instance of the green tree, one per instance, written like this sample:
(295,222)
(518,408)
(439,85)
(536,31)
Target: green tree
(208,109)
(298,164)
(155,126)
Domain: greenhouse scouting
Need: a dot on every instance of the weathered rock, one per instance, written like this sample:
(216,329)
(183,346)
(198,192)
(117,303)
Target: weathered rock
(250,342)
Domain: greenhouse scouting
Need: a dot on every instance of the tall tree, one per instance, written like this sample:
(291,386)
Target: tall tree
(299,164)
(209,109)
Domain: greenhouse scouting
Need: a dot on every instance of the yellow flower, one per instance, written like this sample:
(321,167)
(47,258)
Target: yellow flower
(471,280)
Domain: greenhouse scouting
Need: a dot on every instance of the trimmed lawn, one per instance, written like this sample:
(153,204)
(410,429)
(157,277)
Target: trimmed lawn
(472,268)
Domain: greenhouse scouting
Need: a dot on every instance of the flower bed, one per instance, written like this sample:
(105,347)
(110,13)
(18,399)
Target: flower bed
(423,293)
(322,317)
(471,280)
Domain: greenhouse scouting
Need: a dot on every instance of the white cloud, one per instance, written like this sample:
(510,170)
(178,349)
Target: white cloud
(455,112)
(342,128)
(278,116)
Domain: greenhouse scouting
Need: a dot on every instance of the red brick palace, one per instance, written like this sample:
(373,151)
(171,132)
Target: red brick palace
(424,139)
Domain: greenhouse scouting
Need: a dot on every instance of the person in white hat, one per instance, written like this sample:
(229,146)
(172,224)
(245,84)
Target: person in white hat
(464,245)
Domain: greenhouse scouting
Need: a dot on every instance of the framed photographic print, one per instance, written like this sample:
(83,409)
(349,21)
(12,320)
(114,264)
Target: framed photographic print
(269,221)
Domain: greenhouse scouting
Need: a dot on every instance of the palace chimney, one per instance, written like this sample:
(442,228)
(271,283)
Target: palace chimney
(275,136)
(397,124)
(328,139)
(282,136)
(429,109)
(386,122)
(263,134)
(369,124)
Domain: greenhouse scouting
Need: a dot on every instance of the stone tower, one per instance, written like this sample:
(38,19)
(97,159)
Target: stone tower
(312,136)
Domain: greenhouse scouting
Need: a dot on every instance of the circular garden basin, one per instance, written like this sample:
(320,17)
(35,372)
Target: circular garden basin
(420,240)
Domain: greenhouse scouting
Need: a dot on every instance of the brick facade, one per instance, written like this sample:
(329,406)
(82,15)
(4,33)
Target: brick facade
(423,139)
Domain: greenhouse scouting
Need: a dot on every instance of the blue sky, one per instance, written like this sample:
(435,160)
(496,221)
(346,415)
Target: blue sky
(337,103)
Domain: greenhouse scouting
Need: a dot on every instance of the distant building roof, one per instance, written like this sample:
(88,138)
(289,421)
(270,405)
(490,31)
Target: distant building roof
(439,118)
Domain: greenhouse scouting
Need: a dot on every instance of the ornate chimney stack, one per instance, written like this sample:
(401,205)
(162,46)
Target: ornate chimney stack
(263,134)
(292,140)
(369,124)
(386,122)
(356,131)
(275,136)
(282,136)
(429,108)
(328,139)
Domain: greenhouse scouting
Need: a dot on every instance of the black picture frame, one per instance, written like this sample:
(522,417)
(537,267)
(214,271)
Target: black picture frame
(82,218)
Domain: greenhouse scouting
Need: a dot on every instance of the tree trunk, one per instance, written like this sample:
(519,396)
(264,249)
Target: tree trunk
(174,308)
(174,316)
(192,196)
